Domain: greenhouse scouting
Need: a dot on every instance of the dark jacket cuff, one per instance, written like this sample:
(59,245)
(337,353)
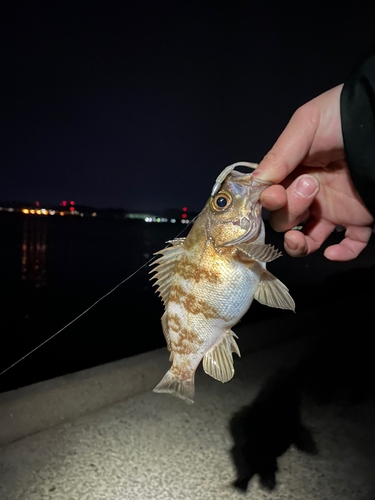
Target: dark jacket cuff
(357,105)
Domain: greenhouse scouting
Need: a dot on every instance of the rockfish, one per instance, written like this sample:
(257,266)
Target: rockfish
(208,280)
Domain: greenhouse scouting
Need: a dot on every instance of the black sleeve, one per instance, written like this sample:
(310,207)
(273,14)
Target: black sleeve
(358,127)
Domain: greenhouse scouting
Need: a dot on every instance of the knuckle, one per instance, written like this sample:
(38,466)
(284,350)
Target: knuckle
(307,115)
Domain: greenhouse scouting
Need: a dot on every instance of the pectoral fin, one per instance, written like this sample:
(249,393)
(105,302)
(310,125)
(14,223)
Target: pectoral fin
(271,292)
(259,252)
(218,361)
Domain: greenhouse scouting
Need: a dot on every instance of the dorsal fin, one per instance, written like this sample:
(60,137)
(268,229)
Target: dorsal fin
(165,266)
(164,324)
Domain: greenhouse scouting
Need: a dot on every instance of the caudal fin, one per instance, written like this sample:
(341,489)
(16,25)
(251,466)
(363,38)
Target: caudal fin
(183,389)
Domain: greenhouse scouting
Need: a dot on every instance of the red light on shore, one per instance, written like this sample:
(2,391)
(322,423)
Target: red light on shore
(71,209)
(37,203)
(184,216)
(63,203)
(72,202)
(184,209)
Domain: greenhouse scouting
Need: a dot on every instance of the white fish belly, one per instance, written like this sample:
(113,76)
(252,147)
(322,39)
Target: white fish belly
(233,296)
(205,311)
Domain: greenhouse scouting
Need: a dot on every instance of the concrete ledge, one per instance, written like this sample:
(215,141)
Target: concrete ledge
(43,405)
(40,406)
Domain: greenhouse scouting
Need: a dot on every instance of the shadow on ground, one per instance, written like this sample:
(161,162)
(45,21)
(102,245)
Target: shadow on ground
(337,368)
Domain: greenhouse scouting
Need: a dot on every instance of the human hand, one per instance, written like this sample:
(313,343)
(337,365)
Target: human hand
(308,160)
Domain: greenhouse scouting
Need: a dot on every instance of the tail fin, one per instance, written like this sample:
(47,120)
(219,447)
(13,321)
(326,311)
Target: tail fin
(183,389)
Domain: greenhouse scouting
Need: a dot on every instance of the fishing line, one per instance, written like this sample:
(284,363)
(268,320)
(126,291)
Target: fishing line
(93,305)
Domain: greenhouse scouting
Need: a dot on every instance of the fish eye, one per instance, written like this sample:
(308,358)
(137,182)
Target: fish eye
(221,201)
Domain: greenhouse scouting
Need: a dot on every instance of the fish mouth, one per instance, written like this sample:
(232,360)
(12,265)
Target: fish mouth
(251,228)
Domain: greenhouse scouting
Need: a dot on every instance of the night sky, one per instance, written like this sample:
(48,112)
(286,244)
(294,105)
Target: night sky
(141,104)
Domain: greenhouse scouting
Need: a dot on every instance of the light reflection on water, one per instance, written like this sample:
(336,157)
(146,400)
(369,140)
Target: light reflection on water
(53,270)
(34,250)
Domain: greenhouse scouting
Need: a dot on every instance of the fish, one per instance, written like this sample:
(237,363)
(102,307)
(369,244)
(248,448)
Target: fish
(208,280)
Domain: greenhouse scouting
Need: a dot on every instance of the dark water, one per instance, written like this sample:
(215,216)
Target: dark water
(53,268)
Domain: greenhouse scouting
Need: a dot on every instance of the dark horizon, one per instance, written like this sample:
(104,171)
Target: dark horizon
(18,205)
(143,104)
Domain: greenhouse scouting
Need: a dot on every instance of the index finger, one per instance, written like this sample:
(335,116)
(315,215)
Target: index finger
(291,147)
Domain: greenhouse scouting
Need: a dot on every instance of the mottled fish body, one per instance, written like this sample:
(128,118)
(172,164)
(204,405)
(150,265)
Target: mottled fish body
(209,279)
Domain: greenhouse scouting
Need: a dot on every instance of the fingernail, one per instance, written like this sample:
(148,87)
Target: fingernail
(260,173)
(290,243)
(257,173)
(306,186)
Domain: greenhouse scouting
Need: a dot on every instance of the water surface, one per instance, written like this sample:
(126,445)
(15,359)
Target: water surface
(53,268)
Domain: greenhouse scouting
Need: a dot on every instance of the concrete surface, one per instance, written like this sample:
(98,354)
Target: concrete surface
(39,406)
(155,446)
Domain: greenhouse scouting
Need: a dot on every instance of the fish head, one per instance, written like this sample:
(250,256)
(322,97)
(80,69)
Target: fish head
(233,212)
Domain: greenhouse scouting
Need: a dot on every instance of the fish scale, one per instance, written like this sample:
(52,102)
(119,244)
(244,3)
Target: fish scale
(208,280)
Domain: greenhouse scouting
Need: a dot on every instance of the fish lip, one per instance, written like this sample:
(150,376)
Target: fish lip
(254,228)
(241,239)
(243,222)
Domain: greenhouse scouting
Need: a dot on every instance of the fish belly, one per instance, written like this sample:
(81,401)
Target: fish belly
(207,298)
(201,310)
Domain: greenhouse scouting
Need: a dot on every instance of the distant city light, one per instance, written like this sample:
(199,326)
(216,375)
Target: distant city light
(37,203)
(72,210)
(184,209)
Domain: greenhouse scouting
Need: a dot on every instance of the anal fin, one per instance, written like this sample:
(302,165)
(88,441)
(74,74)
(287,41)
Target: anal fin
(233,343)
(218,361)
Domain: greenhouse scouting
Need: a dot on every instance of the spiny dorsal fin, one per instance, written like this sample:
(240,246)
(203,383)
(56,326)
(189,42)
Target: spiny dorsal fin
(260,252)
(271,292)
(165,266)
(218,361)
